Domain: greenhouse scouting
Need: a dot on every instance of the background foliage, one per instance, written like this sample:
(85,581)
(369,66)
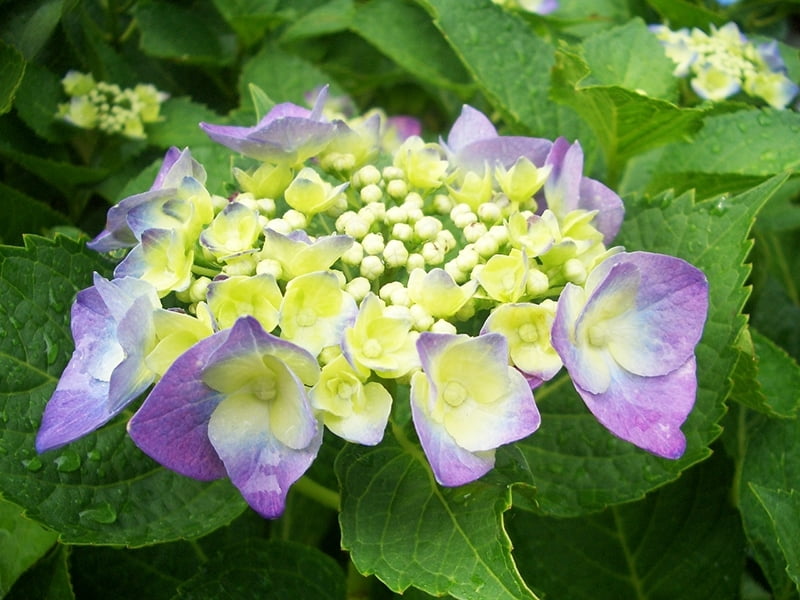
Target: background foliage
(570,512)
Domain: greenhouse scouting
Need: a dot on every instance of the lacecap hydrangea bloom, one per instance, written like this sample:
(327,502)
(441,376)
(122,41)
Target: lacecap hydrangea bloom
(358,264)
(108,107)
(723,63)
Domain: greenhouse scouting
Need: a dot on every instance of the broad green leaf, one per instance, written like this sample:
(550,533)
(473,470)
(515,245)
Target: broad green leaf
(37,102)
(775,379)
(284,77)
(12,69)
(332,17)
(179,124)
(275,569)
(748,143)
(30,26)
(250,19)
(580,19)
(782,507)
(411,42)
(683,541)
(22,541)
(100,489)
(681,13)
(778,312)
(24,214)
(768,487)
(48,579)
(153,572)
(400,525)
(510,65)
(626,122)
(63,175)
(180,33)
(578,466)
(630,56)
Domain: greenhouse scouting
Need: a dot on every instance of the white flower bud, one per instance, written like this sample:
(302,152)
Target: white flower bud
(432,253)
(376,209)
(442,326)
(358,288)
(427,228)
(198,289)
(295,218)
(385,293)
(396,214)
(279,226)
(537,283)
(574,271)
(269,266)
(415,261)
(463,218)
(366,214)
(486,246)
(489,213)
(373,243)
(392,172)
(371,193)
(474,231)
(467,259)
(414,214)
(421,319)
(442,204)
(397,188)
(397,311)
(367,175)
(400,297)
(266,206)
(353,255)
(446,240)
(402,231)
(499,233)
(457,274)
(248,200)
(371,267)
(395,253)
(356,227)
(414,200)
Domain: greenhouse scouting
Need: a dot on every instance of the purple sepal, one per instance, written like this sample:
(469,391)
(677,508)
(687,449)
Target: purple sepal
(473,143)
(172,424)
(566,189)
(628,340)
(177,166)
(287,133)
(112,325)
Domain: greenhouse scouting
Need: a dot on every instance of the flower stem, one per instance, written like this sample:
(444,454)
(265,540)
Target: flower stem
(198,270)
(312,489)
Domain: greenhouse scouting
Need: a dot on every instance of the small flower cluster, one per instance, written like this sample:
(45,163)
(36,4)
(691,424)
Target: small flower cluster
(468,271)
(109,108)
(725,62)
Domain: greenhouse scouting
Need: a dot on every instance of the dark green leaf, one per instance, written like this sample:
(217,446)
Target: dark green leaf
(179,124)
(248,18)
(12,69)
(100,489)
(258,569)
(400,525)
(24,215)
(48,579)
(37,103)
(683,541)
(333,17)
(782,508)
(30,27)
(680,13)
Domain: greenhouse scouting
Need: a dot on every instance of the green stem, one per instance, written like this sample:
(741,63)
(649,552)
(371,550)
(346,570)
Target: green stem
(312,489)
(198,270)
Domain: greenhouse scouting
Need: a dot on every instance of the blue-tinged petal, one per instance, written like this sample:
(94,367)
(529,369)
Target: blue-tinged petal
(172,424)
(112,325)
(452,465)
(647,411)
(258,464)
(470,126)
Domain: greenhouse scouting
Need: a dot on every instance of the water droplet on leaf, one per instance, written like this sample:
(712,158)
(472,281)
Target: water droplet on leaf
(94,455)
(33,464)
(100,513)
(69,461)
(50,349)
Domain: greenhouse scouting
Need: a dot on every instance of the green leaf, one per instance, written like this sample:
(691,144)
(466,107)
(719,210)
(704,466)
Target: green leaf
(24,214)
(276,569)
(23,543)
(48,579)
(30,27)
(12,69)
(630,56)
(250,19)
(400,525)
(578,466)
(627,123)
(782,508)
(333,17)
(683,541)
(749,143)
(100,489)
(768,487)
(283,76)
(182,34)
(37,102)
(412,42)
(179,124)
(60,174)
(680,13)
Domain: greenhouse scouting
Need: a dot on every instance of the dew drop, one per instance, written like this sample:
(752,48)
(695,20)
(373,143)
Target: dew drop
(94,455)
(768,155)
(100,513)
(720,207)
(32,464)
(69,461)
(50,349)
(4,416)
(764,120)
(55,303)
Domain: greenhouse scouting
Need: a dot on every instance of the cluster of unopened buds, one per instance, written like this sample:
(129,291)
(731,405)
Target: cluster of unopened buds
(723,63)
(467,272)
(109,108)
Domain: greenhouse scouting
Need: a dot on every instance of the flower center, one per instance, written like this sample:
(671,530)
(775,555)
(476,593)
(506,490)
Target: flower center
(372,348)
(528,333)
(265,390)
(599,335)
(454,393)
(345,390)
(306,317)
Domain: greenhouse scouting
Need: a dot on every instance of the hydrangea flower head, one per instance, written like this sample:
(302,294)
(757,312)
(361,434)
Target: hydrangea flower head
(627,339)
